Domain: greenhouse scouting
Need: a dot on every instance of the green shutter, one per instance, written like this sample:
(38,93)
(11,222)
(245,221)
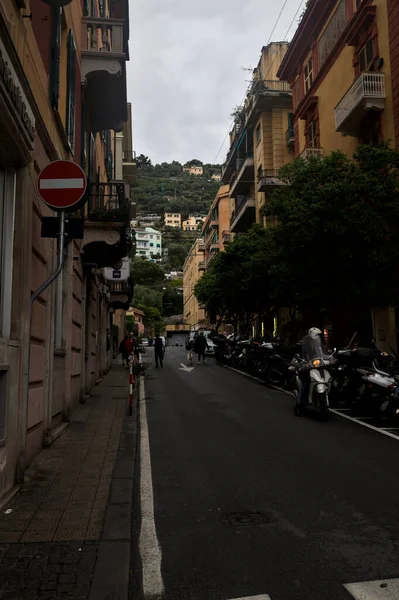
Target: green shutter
(86,8)
(55,57)
(83,153)
(71,91)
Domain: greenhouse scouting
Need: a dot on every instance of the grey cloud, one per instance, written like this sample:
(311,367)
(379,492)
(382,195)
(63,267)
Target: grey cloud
(186,70)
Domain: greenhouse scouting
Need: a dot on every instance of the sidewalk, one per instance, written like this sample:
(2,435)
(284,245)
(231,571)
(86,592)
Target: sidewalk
(69,530)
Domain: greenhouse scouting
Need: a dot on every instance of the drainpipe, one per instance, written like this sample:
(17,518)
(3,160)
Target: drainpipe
(33,298)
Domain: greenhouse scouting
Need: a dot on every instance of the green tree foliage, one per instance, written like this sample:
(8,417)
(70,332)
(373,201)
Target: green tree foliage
(147,296)
(337,235)
(146,272)
(167,188)
(336,240)
(172,301)
(129,323)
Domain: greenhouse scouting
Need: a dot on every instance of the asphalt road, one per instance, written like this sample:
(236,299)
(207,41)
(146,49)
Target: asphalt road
(250,501)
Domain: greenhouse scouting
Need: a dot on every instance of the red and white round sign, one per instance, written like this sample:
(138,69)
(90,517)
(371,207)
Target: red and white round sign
(61,185)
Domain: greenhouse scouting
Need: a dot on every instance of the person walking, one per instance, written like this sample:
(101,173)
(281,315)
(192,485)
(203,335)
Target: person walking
(123,350)
(158,350)
(200,346)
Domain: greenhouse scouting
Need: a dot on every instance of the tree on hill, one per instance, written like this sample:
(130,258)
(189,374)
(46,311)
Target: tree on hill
(146,272)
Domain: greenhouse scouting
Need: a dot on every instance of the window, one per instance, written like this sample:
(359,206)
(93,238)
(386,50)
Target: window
(312,134)
(258,134)
(308,75)
(366,57)
(151,236)
(151,244)
(332,33)
(3,404)
(55,57)
(158,245)
(7,217)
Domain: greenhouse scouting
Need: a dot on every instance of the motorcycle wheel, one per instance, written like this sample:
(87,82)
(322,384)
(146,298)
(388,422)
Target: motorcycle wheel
(274,376)
(324,412)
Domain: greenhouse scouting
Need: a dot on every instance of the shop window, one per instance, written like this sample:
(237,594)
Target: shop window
(3,404)
(312,135)
(55,57)
(7,216)
(308,75)
(71,91)
(366,57)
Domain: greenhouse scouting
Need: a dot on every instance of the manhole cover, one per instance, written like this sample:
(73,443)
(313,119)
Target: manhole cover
(245,519)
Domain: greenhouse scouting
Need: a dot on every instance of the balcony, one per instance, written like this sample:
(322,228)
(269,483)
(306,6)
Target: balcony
(129,167)
(226,237)
(243,217)
(290,137)
(121,294)
(264,95)
(312,152)
(201,265)
(107,236)
(366,94)
(104,54)
(239,131)
(269,180)
(242,177)
(214,223)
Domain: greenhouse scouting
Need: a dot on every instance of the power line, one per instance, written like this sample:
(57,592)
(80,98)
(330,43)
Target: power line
(273,30)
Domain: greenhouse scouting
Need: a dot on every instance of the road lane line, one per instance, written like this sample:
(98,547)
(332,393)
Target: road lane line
(384,589)
(261,597)
(150,550)
(363,424)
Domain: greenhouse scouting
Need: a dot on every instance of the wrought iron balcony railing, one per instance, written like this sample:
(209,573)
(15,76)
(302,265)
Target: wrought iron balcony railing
(109,202)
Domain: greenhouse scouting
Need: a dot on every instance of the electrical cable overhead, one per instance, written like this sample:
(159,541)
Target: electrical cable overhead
(273,30)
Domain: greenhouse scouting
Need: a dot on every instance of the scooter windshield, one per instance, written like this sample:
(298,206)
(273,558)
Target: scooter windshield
(311,349)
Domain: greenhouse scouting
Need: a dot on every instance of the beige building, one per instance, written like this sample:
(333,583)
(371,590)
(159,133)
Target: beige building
(197,170)
(62,96)
(193,269)
(261,142)
(216,228)
(172,220)
(193,223)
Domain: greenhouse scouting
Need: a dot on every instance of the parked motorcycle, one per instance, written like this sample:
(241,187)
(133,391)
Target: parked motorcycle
(318,372)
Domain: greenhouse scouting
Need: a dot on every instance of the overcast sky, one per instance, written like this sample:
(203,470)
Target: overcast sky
(186,74)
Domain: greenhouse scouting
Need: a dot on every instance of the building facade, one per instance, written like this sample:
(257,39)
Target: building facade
(261,141)
(138,316)
(172,220)
(194,267)
(216,228)
(193,223)
(149,243)
(342,66)
(194,170)
(62,96)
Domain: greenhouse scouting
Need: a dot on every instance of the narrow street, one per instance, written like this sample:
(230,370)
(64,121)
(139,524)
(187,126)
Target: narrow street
(251,502)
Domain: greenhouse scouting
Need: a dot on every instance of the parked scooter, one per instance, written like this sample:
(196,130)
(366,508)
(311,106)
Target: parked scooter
(318,372)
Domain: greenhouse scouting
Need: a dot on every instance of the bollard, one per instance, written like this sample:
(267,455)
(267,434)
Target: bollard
(131,385)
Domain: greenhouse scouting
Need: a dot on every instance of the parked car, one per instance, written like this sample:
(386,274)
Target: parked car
(144,342)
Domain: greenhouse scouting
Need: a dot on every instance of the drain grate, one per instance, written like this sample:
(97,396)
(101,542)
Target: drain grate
(246,519)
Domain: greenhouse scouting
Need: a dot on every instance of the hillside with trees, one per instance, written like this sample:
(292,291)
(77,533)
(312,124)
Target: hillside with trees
(167,188)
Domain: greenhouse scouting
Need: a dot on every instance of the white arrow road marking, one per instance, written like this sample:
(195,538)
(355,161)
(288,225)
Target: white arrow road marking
(187,369)
(61,184)
(384,589)
(150,551)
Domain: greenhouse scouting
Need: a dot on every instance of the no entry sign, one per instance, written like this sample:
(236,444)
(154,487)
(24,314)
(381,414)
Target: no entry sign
(61,185)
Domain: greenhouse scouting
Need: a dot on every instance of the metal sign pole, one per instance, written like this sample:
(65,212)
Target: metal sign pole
(33,298)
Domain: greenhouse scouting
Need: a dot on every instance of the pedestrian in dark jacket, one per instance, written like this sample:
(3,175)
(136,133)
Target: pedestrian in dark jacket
(158,349)
(200,346)
(123,350)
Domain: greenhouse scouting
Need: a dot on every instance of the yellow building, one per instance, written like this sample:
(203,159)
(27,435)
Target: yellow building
(194,170)
(194,266)
(172,220)
(216,227)
(193,223)
(338,66)
(261,141)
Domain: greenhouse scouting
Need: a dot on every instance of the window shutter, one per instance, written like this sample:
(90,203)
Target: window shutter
(71,91)
(83,155)
(102,8)
(86,8)
(55,57)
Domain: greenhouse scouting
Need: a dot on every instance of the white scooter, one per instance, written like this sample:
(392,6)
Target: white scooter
(320,384)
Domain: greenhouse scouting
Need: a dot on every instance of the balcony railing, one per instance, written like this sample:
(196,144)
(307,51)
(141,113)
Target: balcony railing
(239,127)
(268,179)
(103,35)
(269,85)
(242,201)
(120,287)
(109,202)
(226,237)
(201,265)
(369,88)
(129,157)
(308,152)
